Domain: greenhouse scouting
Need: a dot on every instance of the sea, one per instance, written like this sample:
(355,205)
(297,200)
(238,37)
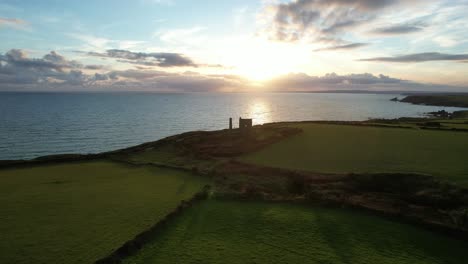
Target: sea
(38,124)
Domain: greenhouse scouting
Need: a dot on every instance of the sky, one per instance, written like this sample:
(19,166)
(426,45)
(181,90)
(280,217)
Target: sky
(237,45)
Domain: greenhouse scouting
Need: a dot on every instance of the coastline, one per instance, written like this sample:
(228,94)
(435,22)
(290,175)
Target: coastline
(69,157)
(446,100)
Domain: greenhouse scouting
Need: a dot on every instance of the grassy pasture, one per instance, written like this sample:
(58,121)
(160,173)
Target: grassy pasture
(344,148)
(80,212)
(255,232)
(454,123)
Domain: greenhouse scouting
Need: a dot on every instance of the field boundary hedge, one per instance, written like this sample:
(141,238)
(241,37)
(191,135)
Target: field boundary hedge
(455,233)
(132,246)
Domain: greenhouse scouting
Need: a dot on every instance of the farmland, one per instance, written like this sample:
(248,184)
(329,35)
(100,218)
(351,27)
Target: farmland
(255,232)
(79,212)
(268,204)
(345,148)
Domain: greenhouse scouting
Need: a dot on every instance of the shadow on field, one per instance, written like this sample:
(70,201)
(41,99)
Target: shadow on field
(336,238)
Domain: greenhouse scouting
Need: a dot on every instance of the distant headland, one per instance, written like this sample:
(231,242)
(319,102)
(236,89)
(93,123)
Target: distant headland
(454,100)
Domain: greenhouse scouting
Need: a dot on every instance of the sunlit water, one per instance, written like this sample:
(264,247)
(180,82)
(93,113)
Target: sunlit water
(37,124)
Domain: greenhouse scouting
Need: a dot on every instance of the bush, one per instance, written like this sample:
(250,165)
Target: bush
(297,185)
(399,183)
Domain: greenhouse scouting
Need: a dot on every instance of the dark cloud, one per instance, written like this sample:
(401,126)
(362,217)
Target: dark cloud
(421,57)
(365,4)
(17,68)
(341,25)
(344,47)
(52,61)
(160,59)
(55,72)
(95,67)
(398,29)
(319,19)
(101,77)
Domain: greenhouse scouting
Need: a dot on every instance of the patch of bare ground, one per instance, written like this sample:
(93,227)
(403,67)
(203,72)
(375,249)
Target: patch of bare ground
(223,143)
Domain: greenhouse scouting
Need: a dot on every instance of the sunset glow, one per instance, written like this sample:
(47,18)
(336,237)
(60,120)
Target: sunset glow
(182,45)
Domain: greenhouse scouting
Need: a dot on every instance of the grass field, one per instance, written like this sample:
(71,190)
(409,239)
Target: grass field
(251,232)
(454,123)
(80,212)
(345,148)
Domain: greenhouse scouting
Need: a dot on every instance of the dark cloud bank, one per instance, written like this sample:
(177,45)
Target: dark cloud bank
(18,69)
(54,72)
(398,29)
(160,59)
(422,57)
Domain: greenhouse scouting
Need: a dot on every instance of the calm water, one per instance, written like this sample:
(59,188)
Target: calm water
(37,124)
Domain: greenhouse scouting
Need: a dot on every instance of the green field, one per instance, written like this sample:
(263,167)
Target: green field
(346,148)
(80,212)
(255,232)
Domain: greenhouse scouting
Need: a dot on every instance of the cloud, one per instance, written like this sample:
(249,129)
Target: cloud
(421,57)
(320,19)
(17,68)
(101,77)
(55,72)
(160,59)
(95,67)
(301,82)
(344,47)
(304,82)
(178,82)
(18,59)
(13,23)
(398,29)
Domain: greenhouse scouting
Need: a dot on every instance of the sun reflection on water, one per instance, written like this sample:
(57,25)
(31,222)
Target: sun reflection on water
(260,112)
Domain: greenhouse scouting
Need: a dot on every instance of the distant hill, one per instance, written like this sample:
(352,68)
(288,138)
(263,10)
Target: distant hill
(457,100)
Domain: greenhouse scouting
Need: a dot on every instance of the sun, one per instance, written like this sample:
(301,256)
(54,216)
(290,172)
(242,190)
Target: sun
(261,60)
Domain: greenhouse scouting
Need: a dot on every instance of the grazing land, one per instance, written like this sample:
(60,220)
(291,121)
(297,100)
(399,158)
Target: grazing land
(365,149)
(458,100)
(81,211)
(256,232)
(82,208)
